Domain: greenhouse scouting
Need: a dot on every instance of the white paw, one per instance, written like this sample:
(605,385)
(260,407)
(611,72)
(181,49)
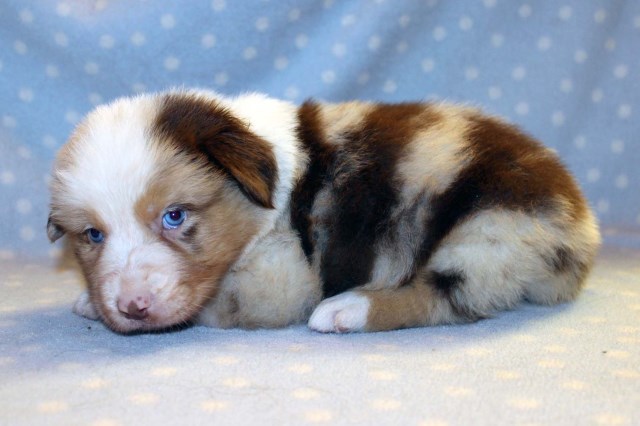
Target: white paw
(84,307)
(343,313)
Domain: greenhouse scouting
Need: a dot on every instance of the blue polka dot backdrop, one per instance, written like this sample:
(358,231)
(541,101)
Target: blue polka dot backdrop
(566,71)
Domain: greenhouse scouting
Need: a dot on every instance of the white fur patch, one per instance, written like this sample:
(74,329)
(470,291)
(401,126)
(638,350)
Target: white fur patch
(343,313)
(84,307)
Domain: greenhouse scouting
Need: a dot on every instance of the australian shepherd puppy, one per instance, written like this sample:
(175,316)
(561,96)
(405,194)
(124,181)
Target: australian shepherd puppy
(250,212)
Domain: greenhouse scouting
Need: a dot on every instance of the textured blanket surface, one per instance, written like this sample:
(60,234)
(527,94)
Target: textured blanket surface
(577,363)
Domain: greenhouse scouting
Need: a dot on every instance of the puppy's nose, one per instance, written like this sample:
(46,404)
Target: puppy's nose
(136,307)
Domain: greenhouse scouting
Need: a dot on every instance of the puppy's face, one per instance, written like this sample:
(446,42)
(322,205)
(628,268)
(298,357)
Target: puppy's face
(159,195)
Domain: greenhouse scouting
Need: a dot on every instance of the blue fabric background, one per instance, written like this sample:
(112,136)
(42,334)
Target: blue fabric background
(567,71)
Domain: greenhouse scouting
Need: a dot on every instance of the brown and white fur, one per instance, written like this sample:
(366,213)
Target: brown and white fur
(353,217)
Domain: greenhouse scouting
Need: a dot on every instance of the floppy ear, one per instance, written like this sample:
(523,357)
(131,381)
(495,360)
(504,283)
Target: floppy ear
(54,231)
(203,126)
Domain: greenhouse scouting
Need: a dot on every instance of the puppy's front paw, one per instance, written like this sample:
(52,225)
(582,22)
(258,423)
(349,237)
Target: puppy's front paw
(343,313)
(84,307)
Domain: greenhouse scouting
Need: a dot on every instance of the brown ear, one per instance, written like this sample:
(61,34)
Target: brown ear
(203,126)
(54,231)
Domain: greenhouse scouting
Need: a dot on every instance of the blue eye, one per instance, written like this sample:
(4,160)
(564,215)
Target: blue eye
(95,236)
(173,218)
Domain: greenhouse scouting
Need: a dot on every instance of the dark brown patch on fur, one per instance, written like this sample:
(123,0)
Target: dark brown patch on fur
(202,126)
(508,169)
(321,156)
(364,188)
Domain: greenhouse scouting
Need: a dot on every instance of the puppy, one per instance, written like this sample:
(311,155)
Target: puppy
(187,206)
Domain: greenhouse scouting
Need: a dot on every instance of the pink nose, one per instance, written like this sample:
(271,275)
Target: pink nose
(135,307)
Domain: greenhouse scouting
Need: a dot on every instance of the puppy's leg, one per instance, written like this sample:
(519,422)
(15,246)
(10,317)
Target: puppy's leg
(84,307)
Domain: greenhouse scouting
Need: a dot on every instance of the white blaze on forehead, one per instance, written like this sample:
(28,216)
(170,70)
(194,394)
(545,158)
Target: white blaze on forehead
(111,158)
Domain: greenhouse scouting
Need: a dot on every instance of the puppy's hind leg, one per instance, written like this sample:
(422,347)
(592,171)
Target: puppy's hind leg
(412,305)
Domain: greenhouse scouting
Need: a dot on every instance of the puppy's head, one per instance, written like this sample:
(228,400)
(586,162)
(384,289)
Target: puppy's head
(159,195)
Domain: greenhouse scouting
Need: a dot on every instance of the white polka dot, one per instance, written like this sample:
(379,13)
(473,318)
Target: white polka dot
(301,41)
(497,40)
(208,41)
(507,375)
(383,375)
(280,63)
(439,33)
(61,39)
(27,233)
(71,117)
(522,108)
(617,146)
(7,178)
(9,121)
(249,53)
(318,416)
(26,16)
(262,24)
(636,21)
(138,39)
(95,383)
(348,20)
(495,92)
(95,98)
(51,407)
(138,87)
(621,71)
(611,419)
(428,64)
(339,50)
(226,360)
(221,78)
(63,9)
(580,56)
(523,403)
(624,111)
(600,16)
(458,391)
(107,41)
(389,86)
(24,152)
(576,385)
(144,398)
(305,393)
(171,63)
(20,47)
(23,206)
(301,368)
(558,118)
(471,73)
(404,21)
(105,422)
(627,374)
(544,43)
(551,364)
(52,71)
(489,3)
(91,68)
(596,95)
(580,142)
(49,141)
(291,92)
(566,85)
(294,14)
(374,42)
(25,94)
(164,371)
(525,11)
(386,404)
(610,44)
(6,255)
(167,21)
(602,206)
(402,47)
(518,73)
(622,182)
(465,23)
(363,78)
(328,76)
(218,5)
(213,405)
(328,4)
(236,382)
(565,13)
